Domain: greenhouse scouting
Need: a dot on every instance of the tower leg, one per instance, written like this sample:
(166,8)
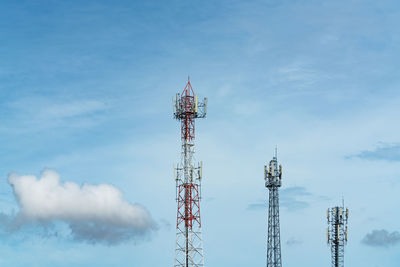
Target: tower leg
(273,241)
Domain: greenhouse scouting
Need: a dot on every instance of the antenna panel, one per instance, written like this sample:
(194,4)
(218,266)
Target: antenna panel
(195,103)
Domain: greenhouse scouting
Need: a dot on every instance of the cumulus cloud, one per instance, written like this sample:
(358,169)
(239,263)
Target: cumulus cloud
(381,238)
(94,213)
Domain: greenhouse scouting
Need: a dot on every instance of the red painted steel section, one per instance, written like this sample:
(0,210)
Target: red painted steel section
(188,205)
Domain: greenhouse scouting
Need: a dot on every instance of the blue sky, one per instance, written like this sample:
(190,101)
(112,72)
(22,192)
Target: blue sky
(86,89)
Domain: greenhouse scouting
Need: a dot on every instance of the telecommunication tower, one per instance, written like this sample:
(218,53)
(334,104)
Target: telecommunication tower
(189,247)
(273,180)
(336,233)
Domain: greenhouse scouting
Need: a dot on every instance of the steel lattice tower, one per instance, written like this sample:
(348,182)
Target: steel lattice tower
(189,248)
(273,180)
(336,233)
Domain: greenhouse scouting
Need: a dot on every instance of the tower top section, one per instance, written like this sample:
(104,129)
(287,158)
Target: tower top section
(273,173)
(337,218)
(187,104)
(187,108)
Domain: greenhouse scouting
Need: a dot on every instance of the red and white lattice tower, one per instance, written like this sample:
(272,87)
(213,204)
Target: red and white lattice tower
(189,248)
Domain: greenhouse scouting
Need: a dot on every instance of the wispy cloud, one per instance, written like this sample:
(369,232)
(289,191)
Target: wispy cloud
(291,198)
(297,78)
(295,198)
(291,242)
(256,206)
(45,112)
(299,73)
(247,107)
(69,110)
(381,238)
(388,152)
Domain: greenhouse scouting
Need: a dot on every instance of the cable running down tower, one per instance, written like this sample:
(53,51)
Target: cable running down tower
(189,248)
(273,180)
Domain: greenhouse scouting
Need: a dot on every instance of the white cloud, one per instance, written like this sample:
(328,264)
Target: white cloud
(94,213)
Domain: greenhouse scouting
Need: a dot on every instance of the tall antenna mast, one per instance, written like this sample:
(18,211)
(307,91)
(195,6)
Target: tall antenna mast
(189,247)
(273,180)
(336,233)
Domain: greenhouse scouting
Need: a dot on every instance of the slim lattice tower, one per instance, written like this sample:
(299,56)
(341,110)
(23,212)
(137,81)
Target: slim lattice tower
(273,180)
(189,248)
(336,233)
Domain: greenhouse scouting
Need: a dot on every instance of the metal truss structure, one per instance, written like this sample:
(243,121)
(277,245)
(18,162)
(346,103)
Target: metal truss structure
(336,233)
(273,180)
(189,248)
